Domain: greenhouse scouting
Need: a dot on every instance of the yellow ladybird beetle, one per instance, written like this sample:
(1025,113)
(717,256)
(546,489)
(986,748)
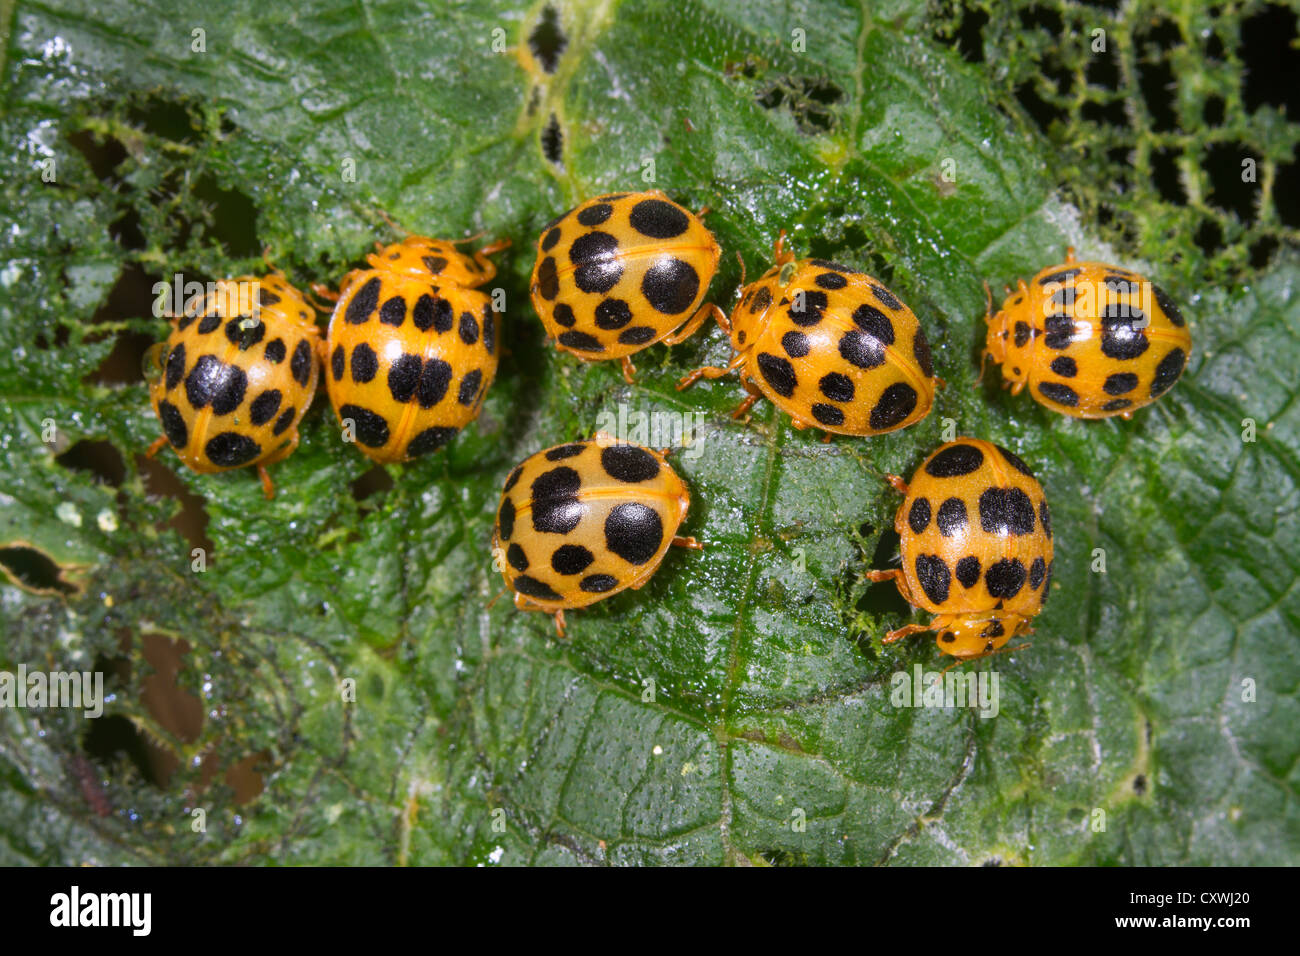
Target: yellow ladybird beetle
(976,547)
(236,375)
(1090,340)
(583,521)
(412,347)
(619,273)
(830,346)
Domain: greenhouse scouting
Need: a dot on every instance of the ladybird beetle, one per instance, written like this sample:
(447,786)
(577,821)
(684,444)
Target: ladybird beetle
(1089,339)
(582,521)
(236,375)
(976,547)
(831,346)
(412,347)
(619,273)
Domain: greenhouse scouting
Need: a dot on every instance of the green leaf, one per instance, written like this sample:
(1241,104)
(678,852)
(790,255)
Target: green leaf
(738,709)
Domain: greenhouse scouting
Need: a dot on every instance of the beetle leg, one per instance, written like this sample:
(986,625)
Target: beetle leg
(693,324)
(629,370)
(710,371)
(156,446)
(681,542)
(559,622)
(268,489)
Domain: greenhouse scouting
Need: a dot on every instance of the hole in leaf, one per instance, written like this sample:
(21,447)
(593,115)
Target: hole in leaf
(1261,252)
(168,119)
(1042,112)
(553,141)
(100,458)
(547,41)
(1140,784)
(102,155)
(970,35)
(233,218)
(1157,83)
(1222,163)
(112,737)
(34,570)
(1268,47)
(1165,175)
(1213,110)
(374,481)
(1209,237)
(192,521)
(131,297)
(808,100)
(1286,194)
(1110,112)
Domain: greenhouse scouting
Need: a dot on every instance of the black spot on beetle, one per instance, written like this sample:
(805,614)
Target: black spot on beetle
(1015,461)
(435,264)
(1056,278)
(556,508)
(1119,383)
(371,429)
(404,376)
(828,415)
(935,578)
(173,423)
(365,363)
(363,303)
(1006,511)
(778,372)
(245,332)
(430,440)
(952,517)
(806,309)
(1059,331)
(637,335)
(469,386)
(670,285)
(571,559)
(175,366)
(1065,366)
(337,361)
(550,239)
(581,341)
(598,266)
(629,463)
(468,328)
(1062,394)
(896,403)
(658,219)
(1167,306)
(595,214)
(513,478)
(1167,372)
(954,460)
(506,519)
(515,555)
(208,324)
(887,297)
(1022,334)
(434,379)
(422,314)
(918,516)
(836,387)
(284,421)
(634,532)
(598,583)
(830,280)
(548,279)
(1037,571)
(531,587)
(921,351)
(561,452)
(796,344)
(1005,578)
(274,351)
(231,449)
(1117,404)
(300,365)
(612,314)
(875,323)
(968,571)
(263,408)
(762,299)
(563,315)
(862,350)
(393,312)
(1122,335)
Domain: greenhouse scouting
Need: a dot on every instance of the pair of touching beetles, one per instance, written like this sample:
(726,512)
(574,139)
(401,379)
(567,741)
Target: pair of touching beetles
(412,347)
